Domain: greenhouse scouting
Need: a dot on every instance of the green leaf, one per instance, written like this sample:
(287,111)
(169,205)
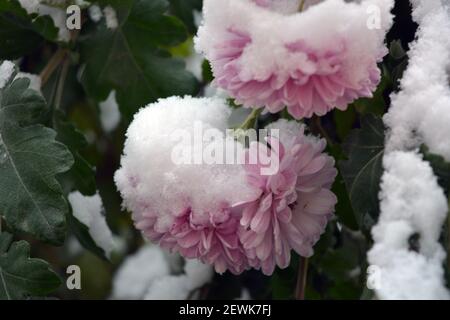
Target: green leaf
(21,275)
(207,73)
(344,210)
(20,104)
(131,60)
(344,121)
(396,50)
(81,231)
(363,169)
(20,33)
(440,167)
(184,10)
(31,199)
(81,176)
(377,104)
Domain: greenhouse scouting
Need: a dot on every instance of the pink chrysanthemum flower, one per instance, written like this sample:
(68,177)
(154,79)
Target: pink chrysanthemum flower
(230,216)
(192,209)
(295,203)
(266,53)
(211,237)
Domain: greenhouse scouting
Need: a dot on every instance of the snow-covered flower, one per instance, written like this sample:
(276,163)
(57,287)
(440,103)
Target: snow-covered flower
(267,54)
(225,215)
(295,203)
(186,208)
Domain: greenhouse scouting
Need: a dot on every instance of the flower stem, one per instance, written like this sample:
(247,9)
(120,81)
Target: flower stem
(302,4)
(301,279)
(51,66)
(251,119)
(448,234)
(61,82)
(318,124)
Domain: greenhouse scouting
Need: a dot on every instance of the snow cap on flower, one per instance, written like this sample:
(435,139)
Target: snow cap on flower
(267,54)
(295,203)
(187,208)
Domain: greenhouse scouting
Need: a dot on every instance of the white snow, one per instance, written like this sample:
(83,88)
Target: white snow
(138,272)
(109,112)
(35,80)
(89,211)
(197,273)
(169,288)
(412,203)
(95,13)
(6,71)
(422,107)
(194,64)
(154,274)
(150,177)
(111,17)
(52,8)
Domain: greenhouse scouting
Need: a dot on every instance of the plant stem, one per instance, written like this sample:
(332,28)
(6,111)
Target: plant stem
(52,64)
(250,121)
(301,279)
(448,234)
(302,4)
(321,130)
(61,82)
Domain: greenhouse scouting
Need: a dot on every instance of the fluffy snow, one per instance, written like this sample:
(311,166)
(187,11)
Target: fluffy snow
(138,272)
(35,80)
(6,71)
(197,273)
(109,113)
(50,8)
(271,30)
(111,17)
(153,274)
(89,211)
(422,108)
(412,203)
(179,287)
(169,288)
(149,176)
(95,13)
(194,64)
